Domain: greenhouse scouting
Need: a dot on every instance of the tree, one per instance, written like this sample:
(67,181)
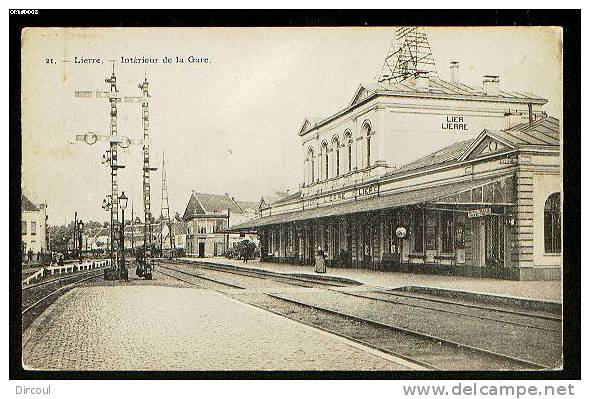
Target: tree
(245,249)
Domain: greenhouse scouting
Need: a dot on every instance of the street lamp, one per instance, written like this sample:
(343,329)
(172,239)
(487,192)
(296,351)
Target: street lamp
(123,205)
(106,205)
(80,229)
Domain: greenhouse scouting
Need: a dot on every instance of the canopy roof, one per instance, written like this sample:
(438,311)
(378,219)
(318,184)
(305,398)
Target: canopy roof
(435,194)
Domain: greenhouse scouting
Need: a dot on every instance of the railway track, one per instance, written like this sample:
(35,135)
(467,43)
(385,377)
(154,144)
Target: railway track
(292,280)
(37,297)
(533,320)
(424,350)
(521,319)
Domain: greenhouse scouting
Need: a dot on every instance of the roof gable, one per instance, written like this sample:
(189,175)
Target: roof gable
(487,143)
(361,93)
(27,205)
(308,123)
(437,89)
(193,208)
(262,204)
(543,132)
(214,203)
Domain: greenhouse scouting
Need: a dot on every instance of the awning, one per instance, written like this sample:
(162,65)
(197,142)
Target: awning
(385,201)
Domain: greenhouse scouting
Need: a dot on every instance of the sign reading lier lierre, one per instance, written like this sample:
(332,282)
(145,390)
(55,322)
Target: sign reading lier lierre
(454,122)
(356,192)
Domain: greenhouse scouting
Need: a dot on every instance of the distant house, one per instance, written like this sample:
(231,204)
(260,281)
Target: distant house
(178,234)
(207,216)
(33,227)
(134,235)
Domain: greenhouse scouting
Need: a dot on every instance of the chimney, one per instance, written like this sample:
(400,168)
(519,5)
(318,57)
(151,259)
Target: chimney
(491,85)
(454,69)
(512,118)
(422,81)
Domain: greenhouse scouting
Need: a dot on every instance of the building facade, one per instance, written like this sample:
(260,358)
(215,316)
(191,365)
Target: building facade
(33,227)
(485,200)
(207,217)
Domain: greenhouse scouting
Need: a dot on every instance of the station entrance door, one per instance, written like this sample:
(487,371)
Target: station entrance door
(489,244)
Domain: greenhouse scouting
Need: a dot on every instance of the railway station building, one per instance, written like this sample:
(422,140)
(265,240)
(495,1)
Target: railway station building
(426,175)
(207,218)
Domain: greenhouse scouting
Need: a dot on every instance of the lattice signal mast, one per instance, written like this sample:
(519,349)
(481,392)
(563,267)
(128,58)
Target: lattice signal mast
(409,53)
(165,212)
(112,201)
(113,161)
(146,265)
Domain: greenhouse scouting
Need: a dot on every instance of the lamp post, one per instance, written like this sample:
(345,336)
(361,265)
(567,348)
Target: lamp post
(80,229)
(123,205)
(111,273)
(106,205)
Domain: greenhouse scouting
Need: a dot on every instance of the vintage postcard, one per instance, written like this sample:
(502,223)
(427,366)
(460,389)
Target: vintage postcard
(292,199)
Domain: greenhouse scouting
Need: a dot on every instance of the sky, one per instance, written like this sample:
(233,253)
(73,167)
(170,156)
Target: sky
(229,125)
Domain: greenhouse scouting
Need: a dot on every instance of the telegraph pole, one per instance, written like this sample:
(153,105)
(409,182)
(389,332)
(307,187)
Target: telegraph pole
(145,268)
(165,211)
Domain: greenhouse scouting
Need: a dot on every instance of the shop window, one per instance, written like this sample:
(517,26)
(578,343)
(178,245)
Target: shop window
(498,192)
(465,196)
(460,232)
(419,231)
(488,193)
(23,227)
(477,195)
(494,240)
(553,223)
(290,240)
(446,232)
(393,225)
(430,233)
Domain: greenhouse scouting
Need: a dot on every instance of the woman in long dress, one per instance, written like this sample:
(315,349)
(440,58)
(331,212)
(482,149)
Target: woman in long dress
(320,261)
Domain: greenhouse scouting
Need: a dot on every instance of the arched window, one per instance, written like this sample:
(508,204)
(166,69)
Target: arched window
(367,132)
(325,156)
(336,149)
(553,223)
(311,162)
(348,143)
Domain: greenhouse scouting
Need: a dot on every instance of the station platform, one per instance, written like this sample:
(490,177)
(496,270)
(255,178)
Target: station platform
(163,324)
(532,290)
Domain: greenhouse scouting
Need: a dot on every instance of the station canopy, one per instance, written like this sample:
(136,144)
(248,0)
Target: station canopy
(496,191)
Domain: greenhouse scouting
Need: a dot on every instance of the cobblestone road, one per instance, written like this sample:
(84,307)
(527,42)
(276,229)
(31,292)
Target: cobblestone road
(151,327)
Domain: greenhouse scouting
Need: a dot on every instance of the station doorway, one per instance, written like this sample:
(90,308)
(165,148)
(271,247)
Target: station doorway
(489,244)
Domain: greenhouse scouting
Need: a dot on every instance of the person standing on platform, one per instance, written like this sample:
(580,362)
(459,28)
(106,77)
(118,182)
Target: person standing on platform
(320,261)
